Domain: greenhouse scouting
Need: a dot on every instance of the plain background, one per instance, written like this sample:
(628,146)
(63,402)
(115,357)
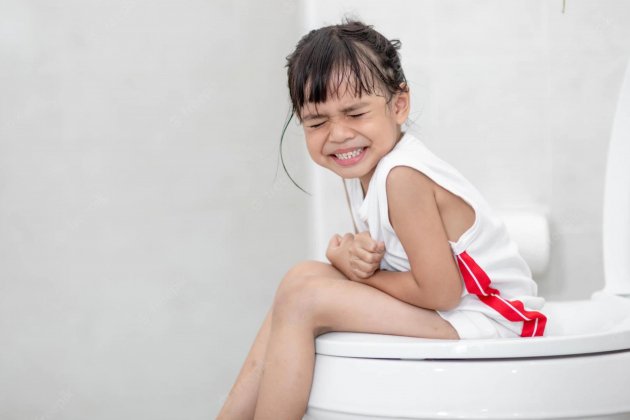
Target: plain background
(144,225)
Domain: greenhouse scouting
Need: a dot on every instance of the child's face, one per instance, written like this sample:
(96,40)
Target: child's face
(349,135)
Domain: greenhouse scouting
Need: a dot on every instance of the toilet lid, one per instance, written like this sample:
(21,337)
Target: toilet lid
(601,324)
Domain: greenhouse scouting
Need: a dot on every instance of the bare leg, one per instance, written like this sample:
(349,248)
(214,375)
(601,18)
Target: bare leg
(241,401)
(286,383)
(308,305)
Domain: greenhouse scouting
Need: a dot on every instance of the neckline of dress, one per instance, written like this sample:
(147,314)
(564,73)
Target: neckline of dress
(363,196)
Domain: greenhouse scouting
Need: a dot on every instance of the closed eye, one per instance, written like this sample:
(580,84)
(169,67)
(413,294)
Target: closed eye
(316,125)
(350,115)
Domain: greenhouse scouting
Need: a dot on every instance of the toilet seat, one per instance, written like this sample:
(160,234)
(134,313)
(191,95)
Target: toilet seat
(601,324)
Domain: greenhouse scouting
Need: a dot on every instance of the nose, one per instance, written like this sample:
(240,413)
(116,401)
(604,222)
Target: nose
(340,132)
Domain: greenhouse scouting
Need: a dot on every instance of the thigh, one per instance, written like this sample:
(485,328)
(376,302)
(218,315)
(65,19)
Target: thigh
(312,268)
(325,297)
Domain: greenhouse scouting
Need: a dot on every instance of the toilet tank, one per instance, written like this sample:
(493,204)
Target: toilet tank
(616,213)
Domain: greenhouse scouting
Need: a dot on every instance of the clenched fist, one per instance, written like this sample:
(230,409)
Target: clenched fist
(357,256)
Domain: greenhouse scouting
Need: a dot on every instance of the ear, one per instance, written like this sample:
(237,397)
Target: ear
(402,104)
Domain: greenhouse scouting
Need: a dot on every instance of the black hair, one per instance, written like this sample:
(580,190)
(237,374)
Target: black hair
(351,51)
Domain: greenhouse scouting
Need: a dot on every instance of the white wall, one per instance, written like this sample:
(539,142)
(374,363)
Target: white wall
(142,234)
(520,98)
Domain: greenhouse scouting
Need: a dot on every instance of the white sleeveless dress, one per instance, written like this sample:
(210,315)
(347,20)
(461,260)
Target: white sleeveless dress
(499,297)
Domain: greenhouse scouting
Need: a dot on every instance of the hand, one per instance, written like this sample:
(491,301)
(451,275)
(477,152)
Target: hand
(366,255)
(356,256)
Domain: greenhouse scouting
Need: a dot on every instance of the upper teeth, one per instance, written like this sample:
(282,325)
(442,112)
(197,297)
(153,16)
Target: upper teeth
(349,155)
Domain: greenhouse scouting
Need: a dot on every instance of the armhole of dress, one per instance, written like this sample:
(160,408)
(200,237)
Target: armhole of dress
(464,239)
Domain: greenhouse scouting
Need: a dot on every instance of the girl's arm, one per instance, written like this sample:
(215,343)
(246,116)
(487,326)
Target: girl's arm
(414,215)
(401,285)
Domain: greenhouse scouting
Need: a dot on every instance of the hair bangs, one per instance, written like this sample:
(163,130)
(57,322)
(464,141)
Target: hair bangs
(322,71)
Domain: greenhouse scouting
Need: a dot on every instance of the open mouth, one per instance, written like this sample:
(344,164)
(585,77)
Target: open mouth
(349,158)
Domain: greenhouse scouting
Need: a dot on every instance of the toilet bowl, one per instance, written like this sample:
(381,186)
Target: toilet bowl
(583,371)
(579,369)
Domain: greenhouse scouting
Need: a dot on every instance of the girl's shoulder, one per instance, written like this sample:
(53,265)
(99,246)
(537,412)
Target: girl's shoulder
(409,151)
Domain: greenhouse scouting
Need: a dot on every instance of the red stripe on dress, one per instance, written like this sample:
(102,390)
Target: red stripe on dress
(478,283)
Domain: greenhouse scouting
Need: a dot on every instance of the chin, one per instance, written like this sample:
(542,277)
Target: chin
(349,174)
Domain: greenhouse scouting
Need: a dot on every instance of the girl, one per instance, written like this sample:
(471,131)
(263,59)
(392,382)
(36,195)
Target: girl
(431,260)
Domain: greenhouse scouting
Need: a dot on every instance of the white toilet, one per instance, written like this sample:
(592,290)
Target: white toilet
(580,370)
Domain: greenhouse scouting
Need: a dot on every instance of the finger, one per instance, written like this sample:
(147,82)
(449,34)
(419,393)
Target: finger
(334,241)
(358,273)
(365,242)
(362,274)
(348,237)
(380,247)
(372,246)
(368,257)
(360,265)
(364,234)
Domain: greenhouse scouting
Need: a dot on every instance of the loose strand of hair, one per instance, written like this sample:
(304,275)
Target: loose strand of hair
(284,129)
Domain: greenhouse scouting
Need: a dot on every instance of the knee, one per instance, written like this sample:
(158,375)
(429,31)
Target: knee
(306,269)
(295,291)
(299,289)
